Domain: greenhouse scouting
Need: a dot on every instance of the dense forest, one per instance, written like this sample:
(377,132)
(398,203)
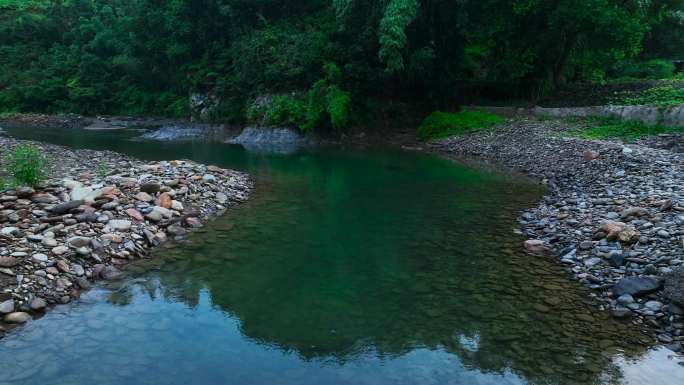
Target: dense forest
(318,59)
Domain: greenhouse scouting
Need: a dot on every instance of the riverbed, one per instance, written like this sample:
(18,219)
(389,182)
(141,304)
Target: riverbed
(345,267)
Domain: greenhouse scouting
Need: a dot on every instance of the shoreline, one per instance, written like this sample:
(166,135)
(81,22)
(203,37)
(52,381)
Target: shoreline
(98,211)
(613,215)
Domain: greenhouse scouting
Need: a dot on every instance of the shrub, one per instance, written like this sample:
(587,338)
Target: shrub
(285,110)
(25,165)
(327,103)
(102,170)
(442,124)
(651,69)
(338,108)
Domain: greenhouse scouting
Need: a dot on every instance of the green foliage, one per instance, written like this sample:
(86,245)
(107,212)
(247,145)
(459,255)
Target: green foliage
(279,57)
(670,94)
(325,100)
(145,57)
(392,34)
(25,165)
(612,127)
(285,110)
(101,170)
(443,124)
(651,69)
(325,105)
(339,104)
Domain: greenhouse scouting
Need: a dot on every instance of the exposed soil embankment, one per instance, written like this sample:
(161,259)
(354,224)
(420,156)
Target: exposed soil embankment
(614,215)
(98,211)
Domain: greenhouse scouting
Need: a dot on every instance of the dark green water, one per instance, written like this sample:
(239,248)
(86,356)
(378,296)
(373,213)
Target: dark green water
(345,267)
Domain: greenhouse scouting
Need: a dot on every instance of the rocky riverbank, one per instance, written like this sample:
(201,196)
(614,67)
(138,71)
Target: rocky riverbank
(161,129)
(98,211)
(614,215)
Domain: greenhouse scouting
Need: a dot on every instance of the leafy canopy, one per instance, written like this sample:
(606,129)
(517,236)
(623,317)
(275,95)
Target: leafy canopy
(147,56)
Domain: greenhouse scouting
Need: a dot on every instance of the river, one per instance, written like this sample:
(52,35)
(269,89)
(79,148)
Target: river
(348,266)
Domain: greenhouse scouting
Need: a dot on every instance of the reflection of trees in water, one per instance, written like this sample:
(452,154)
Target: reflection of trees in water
(305,285)
(490,326)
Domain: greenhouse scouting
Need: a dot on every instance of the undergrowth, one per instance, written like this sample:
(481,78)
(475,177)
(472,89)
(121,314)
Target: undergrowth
(443,124)
(670,94)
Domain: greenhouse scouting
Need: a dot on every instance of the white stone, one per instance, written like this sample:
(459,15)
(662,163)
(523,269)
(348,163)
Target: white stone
(177,205)
(7,306)
(8,230)
(38,257)
(17,318)
(119,225)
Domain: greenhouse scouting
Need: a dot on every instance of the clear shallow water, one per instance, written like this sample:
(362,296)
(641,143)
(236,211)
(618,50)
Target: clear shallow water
(345,267)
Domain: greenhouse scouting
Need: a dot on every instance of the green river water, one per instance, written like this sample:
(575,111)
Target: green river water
(345,267)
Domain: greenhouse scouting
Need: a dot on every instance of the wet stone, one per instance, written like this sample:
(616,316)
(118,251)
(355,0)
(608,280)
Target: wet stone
(7,306)
(17,317)
(38,304)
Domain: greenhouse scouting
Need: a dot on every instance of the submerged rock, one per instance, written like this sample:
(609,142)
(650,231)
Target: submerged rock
(535,246)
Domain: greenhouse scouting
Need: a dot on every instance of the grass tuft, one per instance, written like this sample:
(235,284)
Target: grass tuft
(24,165)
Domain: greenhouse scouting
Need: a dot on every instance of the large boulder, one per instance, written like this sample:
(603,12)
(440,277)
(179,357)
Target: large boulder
(270,140)
(636,286)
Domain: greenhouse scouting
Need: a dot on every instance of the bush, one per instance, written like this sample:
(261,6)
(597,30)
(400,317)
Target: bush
(286,111)
(25,165)
(442,124)
(327,103)
(652,69)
